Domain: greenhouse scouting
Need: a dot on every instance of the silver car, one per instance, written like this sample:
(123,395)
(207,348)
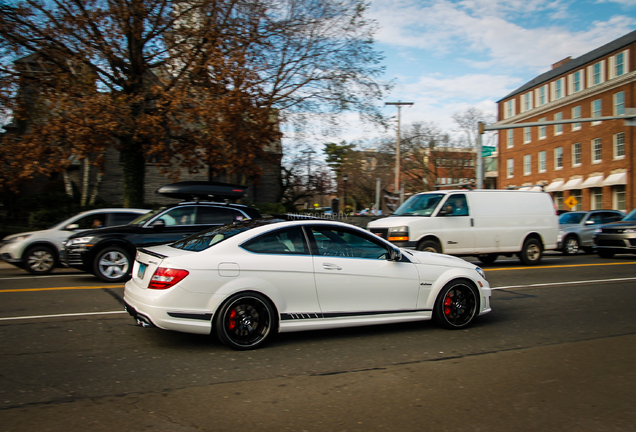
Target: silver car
(576,229)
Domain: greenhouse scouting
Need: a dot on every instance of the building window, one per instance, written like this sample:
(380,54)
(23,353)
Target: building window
(527,165)
(558,89)
(527,135)
(576,113)
(578,196)
(619,66)
(619,197)
(576,154)
(597,73)
(542,96)
(543,130)
(597,150)
(597,198)
(510,138)
(558,129)
(527,101)
(577,82)
(619,103)
(510,108)
(596,110)
(619,146)
(510,171)
(558,158)
(558,200)
(542,161)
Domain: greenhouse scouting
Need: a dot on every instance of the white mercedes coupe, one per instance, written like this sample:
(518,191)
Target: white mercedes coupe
(247,281)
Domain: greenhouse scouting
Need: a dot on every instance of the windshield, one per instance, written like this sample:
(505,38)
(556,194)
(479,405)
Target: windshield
(203,240)
(146,217)
(419,205)
(631,216)
(571,218)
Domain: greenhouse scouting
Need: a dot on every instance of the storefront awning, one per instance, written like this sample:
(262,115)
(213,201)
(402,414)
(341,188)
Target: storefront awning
(616,179)
(555,186)
(592,182)
(573,184)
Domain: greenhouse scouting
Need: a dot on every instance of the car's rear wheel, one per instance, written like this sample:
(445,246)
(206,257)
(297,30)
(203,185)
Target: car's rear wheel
(113,264)
(245,321)
(571,245)
(532,252)
(456,305)
(39,260)
(429,246)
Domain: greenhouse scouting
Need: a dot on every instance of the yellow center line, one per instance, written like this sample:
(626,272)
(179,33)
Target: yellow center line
(558,266)
(61,288)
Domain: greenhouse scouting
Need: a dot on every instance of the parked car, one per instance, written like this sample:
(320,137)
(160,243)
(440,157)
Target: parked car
(485,223)
(576,229)
(616,237)
(248,281)
(38,252)
(108,252)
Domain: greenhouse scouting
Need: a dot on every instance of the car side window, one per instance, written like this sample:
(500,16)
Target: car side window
(288,241)
(179,216)
(91,221)
(213,216)
(115,219)
(455,205)
(611,217)
(340,242)
(596,218)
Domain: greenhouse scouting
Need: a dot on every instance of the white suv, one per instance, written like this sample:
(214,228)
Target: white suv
(38,251)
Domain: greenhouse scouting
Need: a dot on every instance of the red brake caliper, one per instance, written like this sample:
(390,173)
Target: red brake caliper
(447,304)
(231,325)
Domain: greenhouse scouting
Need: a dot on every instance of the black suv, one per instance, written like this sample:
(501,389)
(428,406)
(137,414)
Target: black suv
(108,252)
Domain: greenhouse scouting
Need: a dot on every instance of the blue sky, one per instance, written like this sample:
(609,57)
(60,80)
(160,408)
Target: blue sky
(446,56)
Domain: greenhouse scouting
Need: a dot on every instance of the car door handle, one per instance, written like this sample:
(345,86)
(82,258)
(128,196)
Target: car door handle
(329,266)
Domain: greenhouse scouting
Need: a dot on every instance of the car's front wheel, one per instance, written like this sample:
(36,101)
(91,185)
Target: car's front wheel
(456,305)
(113,264)
(39,260)
(571,246)
(245,321)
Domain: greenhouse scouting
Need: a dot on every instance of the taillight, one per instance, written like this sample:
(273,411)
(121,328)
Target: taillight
(165,278)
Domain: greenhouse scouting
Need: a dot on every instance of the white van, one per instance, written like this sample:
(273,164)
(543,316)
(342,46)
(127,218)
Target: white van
(485,223)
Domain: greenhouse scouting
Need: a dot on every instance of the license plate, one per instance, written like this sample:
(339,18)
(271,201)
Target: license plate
(142,270)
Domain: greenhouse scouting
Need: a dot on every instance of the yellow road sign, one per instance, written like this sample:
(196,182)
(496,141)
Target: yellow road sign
(571,201)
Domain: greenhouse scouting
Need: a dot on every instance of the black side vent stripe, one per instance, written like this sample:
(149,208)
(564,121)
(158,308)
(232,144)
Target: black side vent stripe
(203,317)
(318,315)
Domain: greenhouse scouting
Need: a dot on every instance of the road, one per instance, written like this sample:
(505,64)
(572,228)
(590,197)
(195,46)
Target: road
(557,353)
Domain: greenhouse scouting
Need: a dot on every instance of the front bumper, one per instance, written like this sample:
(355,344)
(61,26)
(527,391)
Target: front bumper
(76,257)
(619,243)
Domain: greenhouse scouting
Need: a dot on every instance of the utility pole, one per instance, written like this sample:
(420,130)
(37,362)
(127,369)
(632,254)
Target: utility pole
(397,148)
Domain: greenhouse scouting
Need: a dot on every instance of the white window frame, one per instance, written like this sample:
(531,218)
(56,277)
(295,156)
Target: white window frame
(527,102)
(619,197)
(593,74)
(558,158)
(576,113)
(509,108)
(527,135)
(577,154)
(581,75)
(619,146)
(597,151)
(558,128)
(510,138)
(596,112)
(618,64)
(510,168)
(542,95)
(527,165)
(619,103)
(557,89)
(542,161)
(543,130)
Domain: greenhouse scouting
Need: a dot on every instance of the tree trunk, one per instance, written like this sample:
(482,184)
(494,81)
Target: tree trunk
(134,172)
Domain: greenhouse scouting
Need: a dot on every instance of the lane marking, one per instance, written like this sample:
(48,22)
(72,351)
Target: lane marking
(558,266)
(61,288)
(62,315)
(564,283)
(44,277)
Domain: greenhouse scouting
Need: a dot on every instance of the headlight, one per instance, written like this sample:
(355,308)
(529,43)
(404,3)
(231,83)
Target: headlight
(560,236)
(481,272)
(630,230)
(598,230)
(78,241)
(18,238)
(400,233)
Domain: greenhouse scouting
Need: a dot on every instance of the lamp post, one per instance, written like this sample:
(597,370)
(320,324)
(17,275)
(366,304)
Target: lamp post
(344,204)
(397,147)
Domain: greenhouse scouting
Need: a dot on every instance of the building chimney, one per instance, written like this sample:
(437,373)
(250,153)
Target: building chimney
(562,62)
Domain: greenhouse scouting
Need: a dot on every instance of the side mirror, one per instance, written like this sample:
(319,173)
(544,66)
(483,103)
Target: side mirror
(446,210)
(395,254)
(71,227)
(589,222)
(158,224)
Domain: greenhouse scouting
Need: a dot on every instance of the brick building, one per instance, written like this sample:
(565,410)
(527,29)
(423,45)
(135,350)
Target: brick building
(593,161)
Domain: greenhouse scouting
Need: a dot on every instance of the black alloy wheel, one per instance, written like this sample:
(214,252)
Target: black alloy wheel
(456,305)
(112,264)
(246,321)
(39,260)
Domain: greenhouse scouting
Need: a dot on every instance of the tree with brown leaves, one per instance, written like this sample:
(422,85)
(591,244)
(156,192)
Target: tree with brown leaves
(193,84)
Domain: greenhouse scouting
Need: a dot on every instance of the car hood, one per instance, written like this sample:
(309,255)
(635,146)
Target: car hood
(119,229)
(431,258)
(28,233)
(620,224)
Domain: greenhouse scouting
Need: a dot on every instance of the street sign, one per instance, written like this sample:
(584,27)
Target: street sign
(488,151)
(571,201)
